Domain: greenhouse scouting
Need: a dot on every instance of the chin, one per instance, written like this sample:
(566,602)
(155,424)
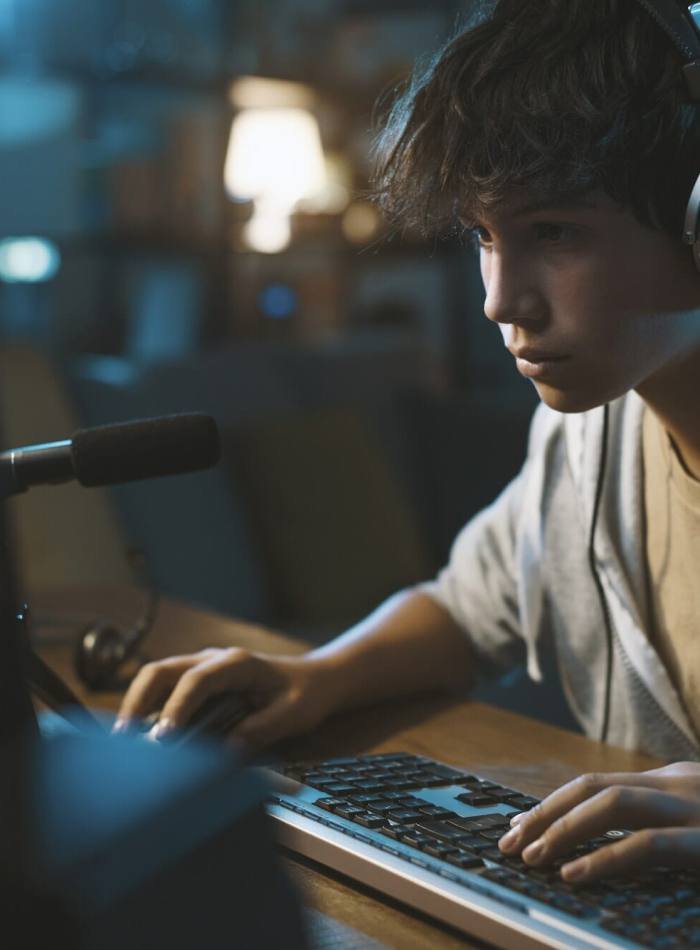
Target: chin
(570,400)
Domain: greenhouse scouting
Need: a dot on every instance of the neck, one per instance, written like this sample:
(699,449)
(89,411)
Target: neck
(675,401)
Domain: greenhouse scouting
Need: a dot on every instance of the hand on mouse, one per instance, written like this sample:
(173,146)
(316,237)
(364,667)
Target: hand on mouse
(289,695)
(662,805)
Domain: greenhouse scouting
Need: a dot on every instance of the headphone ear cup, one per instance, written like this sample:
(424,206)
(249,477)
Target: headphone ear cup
(99,652)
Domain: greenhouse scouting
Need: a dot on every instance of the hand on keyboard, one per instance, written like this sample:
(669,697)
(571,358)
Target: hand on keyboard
(285,694)
(663,805)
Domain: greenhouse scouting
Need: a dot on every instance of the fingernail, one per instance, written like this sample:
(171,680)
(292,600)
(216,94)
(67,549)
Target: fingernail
(574,871)
(516,819)
(533,852)
(509,840)
(161,729)
(120,725)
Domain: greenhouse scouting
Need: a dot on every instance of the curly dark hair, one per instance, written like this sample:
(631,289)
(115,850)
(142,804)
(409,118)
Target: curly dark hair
(558,97)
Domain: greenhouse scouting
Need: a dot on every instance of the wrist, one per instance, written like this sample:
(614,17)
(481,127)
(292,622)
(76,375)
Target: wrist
(326,678)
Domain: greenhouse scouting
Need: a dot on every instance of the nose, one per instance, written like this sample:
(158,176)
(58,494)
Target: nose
(512,294)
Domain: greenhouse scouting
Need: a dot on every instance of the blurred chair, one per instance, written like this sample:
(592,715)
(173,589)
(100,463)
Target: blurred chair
(65,534)
(295,426)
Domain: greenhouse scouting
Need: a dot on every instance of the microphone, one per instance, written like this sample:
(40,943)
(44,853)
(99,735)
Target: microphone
(113,454)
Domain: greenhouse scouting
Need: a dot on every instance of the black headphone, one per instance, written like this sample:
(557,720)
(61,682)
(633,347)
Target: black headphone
(101,649)
(681,24)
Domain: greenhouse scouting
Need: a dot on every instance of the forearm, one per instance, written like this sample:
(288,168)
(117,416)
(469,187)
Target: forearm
(410,644)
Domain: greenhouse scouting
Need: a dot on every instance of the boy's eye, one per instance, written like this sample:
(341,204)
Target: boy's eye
(554,233)
(482,237)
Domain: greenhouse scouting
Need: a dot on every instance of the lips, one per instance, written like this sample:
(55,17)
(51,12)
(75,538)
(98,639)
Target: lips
(536,356)
(537,364)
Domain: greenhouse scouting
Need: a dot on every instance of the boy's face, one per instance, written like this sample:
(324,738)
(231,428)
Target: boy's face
(594,302)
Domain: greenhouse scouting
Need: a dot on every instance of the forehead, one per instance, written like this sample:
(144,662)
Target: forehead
(521,203)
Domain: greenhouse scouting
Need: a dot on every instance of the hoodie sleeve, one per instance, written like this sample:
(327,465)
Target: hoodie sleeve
(481,586)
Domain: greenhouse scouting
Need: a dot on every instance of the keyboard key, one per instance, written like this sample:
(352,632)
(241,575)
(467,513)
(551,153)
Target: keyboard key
(349,811)
(436,811)
(381,807)
(394,831)
(573,906)
(313,778)
(474,843)
(411,801)
(368,785)
(369,821)
(472,825)
(491,834)
(365,799)
(432,780)
(441,829)
(491,788)
(493,854)
(438,850)
(405,816)
(476,800)
(330,804)
(521,802)
(416,777)
(444,771)
(464,859)
(337,788)
(469,781)
(416,839)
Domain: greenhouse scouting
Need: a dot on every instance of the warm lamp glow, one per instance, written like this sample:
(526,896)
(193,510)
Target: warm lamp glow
(361,222)
(275,159)
(268,230)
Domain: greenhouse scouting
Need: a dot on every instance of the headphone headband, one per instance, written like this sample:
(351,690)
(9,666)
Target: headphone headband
(682,26)
(681,23)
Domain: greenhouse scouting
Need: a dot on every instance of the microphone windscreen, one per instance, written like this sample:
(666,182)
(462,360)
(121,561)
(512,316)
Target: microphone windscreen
(145,448)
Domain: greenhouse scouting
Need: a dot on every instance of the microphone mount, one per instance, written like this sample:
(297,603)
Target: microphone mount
(49,463)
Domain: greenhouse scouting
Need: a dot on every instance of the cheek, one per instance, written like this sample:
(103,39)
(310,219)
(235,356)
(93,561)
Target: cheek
(485,268)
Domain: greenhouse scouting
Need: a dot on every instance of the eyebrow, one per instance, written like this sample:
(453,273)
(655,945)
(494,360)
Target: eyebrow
(570,203)
(562,203)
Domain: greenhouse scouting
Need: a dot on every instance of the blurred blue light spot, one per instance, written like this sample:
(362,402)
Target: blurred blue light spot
(278,301)
(28,260)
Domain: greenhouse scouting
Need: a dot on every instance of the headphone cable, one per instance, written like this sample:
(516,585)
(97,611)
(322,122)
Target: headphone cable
(594,571)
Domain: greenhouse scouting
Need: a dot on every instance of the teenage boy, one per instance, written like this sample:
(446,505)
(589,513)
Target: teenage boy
(561,134)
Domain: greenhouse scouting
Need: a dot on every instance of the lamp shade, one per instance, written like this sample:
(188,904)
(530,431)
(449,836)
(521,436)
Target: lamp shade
(275,157)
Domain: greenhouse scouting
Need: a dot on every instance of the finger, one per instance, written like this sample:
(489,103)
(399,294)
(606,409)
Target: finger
(198,683)
(667,847)
(149,687)
(534,822)
(617,806)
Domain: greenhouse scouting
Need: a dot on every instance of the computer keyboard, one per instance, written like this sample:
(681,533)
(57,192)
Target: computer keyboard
(426,834)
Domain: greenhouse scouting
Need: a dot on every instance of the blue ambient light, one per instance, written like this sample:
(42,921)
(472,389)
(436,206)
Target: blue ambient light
(28,260)
(278,301)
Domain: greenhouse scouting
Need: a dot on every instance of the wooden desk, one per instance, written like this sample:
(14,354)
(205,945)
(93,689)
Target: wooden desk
(505,747)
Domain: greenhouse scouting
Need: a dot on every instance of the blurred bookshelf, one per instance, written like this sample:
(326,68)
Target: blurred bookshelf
(127,180)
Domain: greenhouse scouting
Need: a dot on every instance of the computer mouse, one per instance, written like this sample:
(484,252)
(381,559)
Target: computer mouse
(216,717)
